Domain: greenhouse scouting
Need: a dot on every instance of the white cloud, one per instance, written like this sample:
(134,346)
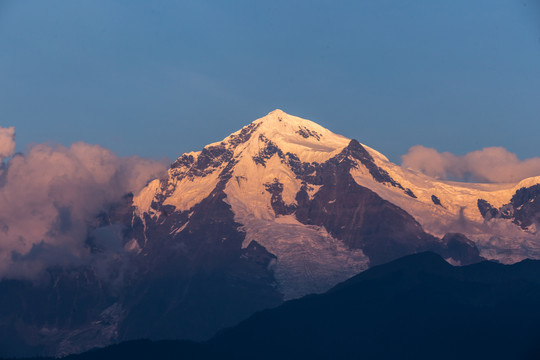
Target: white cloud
(492,164)
(7,142)
(49,195)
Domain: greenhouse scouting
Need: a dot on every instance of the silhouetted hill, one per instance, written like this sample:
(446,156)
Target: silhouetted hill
(416,307)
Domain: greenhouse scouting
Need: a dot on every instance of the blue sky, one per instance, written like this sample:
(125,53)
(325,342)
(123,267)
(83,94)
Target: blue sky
(160,78)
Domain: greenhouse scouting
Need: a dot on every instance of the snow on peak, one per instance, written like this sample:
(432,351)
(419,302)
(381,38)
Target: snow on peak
(278,121)
(304,138)
(257,151)
(284,120)
(309,141)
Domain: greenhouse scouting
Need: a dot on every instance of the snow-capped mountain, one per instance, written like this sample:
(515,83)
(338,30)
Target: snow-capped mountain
(327,207)
(277,210)
(314,199)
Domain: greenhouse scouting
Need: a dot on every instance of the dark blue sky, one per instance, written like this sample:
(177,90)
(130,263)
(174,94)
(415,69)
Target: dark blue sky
(164,77)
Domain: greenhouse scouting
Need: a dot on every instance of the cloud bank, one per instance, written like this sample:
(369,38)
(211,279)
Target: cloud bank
(492,164)
(49,195)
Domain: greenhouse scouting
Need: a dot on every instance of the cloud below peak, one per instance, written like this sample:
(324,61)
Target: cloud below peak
(491,164)
(49,196)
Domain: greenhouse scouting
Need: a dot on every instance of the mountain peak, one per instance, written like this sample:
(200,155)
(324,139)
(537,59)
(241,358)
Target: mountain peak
(304,138)
(277,112)
(309,141)
(283,120)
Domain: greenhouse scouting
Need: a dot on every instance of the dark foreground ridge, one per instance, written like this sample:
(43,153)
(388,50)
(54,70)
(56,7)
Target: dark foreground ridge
(416,307)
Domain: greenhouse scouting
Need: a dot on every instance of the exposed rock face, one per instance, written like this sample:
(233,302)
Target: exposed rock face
(280,208)
(526,205)
(356,150)
(459,248)
(358,216)
(523,208)
(487,210)
(436,200)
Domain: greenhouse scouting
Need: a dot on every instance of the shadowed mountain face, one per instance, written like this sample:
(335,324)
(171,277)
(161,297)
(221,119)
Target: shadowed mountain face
(277,210)
(417,307)
(362,219)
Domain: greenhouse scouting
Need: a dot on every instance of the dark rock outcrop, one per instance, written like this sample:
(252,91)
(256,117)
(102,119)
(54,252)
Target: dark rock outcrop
(459,248)
(278,205)
(523,209)
(436,200)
